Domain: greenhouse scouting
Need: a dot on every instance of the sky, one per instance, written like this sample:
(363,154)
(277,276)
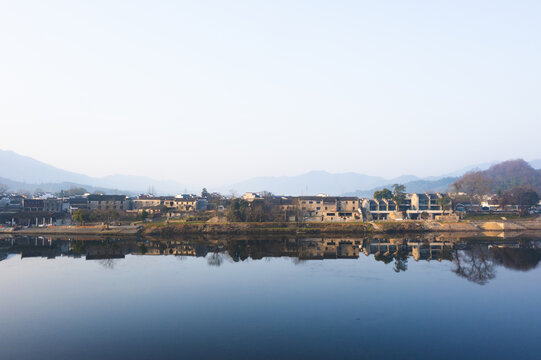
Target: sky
(219,91)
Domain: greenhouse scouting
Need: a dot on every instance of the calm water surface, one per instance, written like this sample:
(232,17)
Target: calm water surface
(270,299)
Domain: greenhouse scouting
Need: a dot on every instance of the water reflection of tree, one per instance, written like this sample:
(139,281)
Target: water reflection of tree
(109,251)
(525,257)
(401,260)
(108,263)
(399,256)
(143,249)
(238,250)
(386,258)
(79,247)
(242,250)
(215,259)
(474,264)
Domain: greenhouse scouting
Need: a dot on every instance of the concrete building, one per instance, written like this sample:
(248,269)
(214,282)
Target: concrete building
(108,202)
(413,206)
(251,196)
(77,203)
(378,209)
(53,205)
(150,202)
(187,205)
(33,205)
(426,201)
(174,204)
(319,249)
(329,209)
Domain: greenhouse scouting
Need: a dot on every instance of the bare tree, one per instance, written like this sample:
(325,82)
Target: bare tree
(215,259)
(108,263)
(525,197)
(474,265)
(475,185)
(505,199)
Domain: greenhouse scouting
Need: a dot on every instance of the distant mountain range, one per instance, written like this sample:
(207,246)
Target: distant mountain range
(24,173)
(56,187)
(439,185)
(351,184)
(313,182)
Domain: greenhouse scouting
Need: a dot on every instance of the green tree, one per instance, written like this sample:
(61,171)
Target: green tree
(79,216)
(215,200)
(237,210)
(79,247)
(444,202)
(259,210)
(383,194)
(401,260)
(164,210)
(399,195)
(144,215)
(204,193)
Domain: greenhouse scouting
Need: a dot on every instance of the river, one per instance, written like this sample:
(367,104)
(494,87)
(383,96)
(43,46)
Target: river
(280,298)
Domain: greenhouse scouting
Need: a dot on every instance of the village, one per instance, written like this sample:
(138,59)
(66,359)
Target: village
(45,209)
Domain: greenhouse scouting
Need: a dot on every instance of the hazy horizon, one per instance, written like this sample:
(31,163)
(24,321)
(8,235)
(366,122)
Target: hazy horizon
(214,93)
(224,186)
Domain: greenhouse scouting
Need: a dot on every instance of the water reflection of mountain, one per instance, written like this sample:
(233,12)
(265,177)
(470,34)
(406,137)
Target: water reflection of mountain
(474,259)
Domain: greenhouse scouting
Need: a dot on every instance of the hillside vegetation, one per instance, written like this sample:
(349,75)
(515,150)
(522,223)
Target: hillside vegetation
(504,176)
(515,182)
(513,173)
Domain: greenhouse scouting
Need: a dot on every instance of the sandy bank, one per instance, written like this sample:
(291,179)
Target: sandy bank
(360,228)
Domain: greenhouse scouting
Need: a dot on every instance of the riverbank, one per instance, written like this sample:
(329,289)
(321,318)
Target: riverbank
(361,228)
(98,230)
(300,229)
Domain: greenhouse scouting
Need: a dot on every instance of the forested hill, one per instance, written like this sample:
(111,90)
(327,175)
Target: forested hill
(513,173)
(507,175)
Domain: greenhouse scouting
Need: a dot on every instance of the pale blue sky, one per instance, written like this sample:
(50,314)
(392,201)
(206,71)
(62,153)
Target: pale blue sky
(210,92)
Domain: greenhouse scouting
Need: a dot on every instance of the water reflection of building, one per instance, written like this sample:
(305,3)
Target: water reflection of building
(417,249)
(105,251)
(516,254)
(329,249)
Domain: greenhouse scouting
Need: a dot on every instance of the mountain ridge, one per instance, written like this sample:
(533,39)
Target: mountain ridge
(312,182)
(33,173)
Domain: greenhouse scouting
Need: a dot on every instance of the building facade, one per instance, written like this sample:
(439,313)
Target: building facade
(108,202)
